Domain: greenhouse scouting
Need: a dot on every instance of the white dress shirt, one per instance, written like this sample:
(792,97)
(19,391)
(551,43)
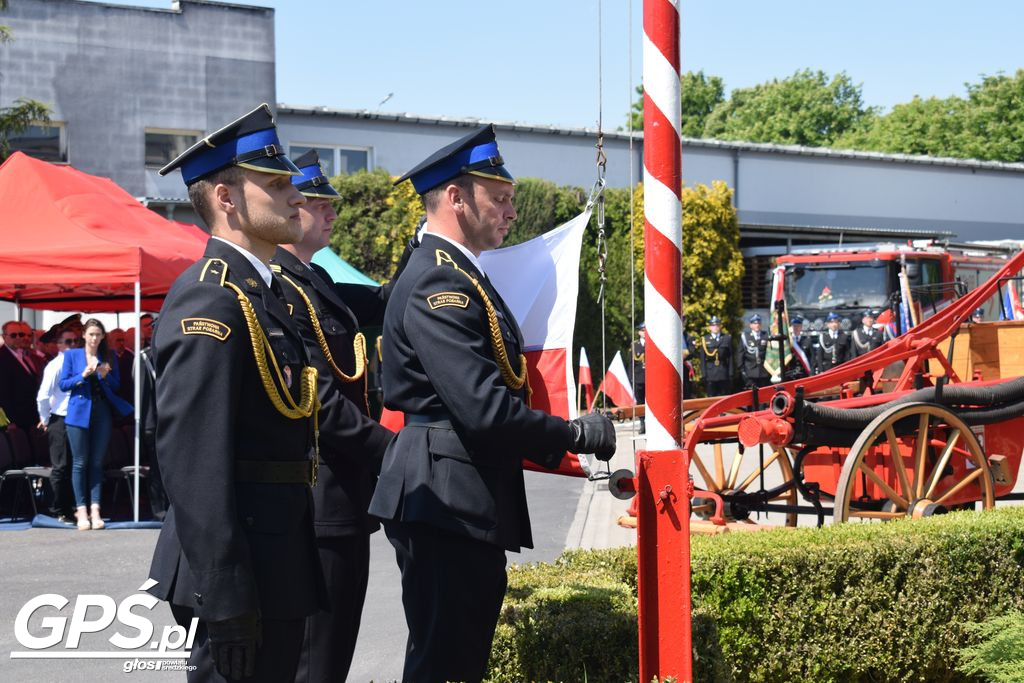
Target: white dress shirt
(466,252)
(262,268)
(50,398)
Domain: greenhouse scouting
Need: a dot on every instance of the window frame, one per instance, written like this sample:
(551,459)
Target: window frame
(63,141)
(157,130)
(335,151)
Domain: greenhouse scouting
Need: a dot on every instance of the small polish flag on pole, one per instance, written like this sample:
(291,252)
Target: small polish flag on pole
(616,385)
(586,382)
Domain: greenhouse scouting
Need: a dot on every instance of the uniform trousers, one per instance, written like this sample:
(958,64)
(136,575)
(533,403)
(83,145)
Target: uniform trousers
(452,590)
(60,460)
(720,388)
(331,635)
(276,658)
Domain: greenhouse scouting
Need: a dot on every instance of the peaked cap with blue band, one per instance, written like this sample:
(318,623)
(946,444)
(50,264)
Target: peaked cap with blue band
(313,183)
(475,154)
(249,141)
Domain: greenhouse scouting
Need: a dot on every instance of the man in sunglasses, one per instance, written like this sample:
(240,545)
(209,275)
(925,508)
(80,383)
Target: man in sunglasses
(19,375)
(52,404)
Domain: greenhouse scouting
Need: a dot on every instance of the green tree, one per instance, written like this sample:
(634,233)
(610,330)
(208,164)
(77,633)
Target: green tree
(16,119)
(995,122)
(698,97)
(542,205)
(375,221)
(922,126)
(808,108)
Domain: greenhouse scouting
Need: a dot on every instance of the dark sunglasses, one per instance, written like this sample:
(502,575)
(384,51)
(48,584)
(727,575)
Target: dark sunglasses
(68,342)
(15,335)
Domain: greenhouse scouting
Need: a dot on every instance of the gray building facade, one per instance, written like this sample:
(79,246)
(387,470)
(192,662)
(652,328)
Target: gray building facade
(130,87)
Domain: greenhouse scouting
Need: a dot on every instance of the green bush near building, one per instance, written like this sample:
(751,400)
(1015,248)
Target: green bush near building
(892,602)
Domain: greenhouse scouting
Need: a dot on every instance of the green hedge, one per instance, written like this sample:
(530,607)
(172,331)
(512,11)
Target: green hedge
(856,602)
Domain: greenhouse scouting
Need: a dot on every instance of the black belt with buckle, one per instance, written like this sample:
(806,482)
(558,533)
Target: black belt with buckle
(440,418)
(274,471)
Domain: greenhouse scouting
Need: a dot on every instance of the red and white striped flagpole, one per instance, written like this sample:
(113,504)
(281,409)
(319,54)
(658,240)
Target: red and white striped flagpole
(663,224)
(663,486)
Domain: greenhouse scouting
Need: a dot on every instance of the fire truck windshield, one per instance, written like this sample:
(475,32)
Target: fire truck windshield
(837,286)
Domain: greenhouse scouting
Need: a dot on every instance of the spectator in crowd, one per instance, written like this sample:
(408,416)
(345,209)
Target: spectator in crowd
(833,345)
(716,359)
(125,360)
(74,323)
(145,329)
(46,344)
(52,402)
(19,375)
(978,316)
(91,376)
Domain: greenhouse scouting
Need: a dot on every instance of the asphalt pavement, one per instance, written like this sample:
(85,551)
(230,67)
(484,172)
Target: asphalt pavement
(565,512)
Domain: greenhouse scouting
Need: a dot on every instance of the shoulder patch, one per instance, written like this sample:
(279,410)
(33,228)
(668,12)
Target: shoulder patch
(214,270)
(207,326)
(442,299)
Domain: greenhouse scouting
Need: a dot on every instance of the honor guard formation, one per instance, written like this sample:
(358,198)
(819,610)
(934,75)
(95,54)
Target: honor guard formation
(275,473)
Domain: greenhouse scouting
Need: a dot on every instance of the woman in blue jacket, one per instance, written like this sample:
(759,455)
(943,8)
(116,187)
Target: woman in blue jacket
(90,375)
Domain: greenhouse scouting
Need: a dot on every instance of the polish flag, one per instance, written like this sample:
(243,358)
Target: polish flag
(586,380)
(616,385)
(539,281)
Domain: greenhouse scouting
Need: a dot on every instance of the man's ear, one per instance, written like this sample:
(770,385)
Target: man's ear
(454,196)
(224,198)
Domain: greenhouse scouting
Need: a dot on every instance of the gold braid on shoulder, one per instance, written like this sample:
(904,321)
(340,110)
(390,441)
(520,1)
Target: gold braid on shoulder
(308,405)
(358,343)
(515,381)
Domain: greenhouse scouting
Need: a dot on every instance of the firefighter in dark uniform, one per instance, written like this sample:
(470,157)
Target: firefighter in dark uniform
(351,443)
(833,345)
(639,365)
(688,353)
(865,338)
(753,347)
(716,359)
(235,409)
(451,489)
(796,369)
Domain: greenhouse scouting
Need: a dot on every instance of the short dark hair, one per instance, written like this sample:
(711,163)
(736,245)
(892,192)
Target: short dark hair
(199,191)
(432,198)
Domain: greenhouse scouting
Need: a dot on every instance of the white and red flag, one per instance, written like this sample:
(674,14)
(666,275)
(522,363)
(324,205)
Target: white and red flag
(616,385)
(586,381)
(539,281)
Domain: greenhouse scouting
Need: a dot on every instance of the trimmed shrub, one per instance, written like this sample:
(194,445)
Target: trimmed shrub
(884,602)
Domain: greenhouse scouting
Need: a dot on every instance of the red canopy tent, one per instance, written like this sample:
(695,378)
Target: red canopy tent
(73,241)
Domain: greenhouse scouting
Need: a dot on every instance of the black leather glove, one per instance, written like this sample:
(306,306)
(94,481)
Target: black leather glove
(593,433)
(233,644)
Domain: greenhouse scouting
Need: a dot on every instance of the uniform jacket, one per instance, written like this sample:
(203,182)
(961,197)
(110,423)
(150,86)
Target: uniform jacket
(832,352)
(351,443)
(719,350)
(229,548)
(464,472)
(753,348)
(795,369)
(862,342)
(18,390)
(639,364)
(80,401)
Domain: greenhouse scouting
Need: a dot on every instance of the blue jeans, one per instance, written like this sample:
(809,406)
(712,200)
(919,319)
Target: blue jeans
(88,450)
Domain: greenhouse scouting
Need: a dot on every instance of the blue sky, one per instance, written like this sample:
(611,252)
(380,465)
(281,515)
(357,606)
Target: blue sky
(537,62)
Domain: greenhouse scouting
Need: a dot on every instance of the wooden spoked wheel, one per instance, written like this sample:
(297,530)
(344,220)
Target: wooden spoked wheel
(912,460)
(742,476)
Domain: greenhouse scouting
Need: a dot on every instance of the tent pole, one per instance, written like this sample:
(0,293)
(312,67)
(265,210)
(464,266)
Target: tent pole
(138,395)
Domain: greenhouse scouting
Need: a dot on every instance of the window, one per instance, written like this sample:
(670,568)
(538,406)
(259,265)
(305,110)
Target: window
(163,146)
(336,160)
(47,142)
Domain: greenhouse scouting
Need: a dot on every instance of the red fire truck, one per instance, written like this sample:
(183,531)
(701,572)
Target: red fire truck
(849,279)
